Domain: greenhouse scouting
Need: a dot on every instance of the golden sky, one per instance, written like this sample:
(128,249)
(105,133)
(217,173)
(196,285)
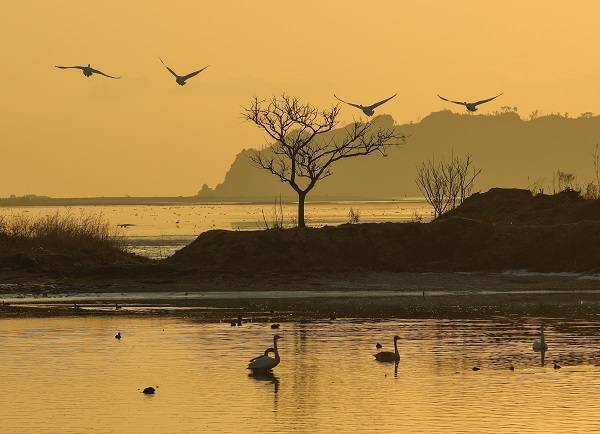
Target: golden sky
(64,135)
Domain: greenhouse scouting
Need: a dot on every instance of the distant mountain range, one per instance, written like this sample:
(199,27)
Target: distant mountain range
(511,151)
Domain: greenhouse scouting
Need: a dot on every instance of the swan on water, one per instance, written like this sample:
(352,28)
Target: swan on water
(471,106)
(265,362)
(388,356)
(540,345)
(369,110)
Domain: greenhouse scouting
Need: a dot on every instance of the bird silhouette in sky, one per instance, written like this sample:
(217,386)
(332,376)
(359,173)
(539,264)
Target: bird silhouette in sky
(471,106)
(87,70)
(369,110)
(181,79)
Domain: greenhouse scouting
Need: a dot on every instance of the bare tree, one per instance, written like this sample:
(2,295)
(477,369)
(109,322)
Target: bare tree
(302,153)
(432,184)
(446,184)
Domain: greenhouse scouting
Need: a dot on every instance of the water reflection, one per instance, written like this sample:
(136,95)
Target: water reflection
(331,382)
(269,377)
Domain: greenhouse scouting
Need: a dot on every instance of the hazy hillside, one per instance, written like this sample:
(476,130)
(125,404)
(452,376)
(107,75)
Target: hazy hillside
(512,152)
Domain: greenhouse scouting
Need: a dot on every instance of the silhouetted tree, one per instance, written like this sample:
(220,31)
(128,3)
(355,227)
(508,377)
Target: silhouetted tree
(446,184)
(301,156)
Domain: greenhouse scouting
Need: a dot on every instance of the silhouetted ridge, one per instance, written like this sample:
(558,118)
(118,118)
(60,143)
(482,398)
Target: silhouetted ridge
(511,151)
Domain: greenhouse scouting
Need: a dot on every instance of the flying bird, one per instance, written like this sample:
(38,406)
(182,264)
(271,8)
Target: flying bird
(181,79)
(87,70)
(369,110)
(471,106)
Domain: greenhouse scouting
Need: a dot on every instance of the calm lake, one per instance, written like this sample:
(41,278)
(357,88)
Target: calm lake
(157,231)
(69,375)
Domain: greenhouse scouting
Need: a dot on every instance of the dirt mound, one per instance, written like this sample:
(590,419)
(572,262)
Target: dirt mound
(497,230)
(449,244)
(29,257)
(515,206)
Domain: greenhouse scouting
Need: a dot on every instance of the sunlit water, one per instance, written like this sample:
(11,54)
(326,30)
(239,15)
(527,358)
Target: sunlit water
(69,375)
(157,231)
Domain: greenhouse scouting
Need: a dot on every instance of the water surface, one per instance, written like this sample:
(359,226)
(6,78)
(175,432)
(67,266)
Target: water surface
(70,375)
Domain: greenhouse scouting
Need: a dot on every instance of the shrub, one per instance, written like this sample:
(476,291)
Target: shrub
(61,230)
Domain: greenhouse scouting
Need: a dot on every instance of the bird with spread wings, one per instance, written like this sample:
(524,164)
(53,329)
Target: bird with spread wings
(181,79)
(369,110)
(471,106)
(87,70)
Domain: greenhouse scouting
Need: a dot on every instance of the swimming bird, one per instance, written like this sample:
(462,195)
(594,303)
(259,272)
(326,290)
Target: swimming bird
(369,110)
(540,345)
(388,356)
(118,306)
(275,326)
(471,106)
(378,346)
(265,362)
(181,79)
(556,366)
(118,336)
(476,368)
(149,390)
(512,368)
(87,70)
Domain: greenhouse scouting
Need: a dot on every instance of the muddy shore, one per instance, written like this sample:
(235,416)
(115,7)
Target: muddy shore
(278,297)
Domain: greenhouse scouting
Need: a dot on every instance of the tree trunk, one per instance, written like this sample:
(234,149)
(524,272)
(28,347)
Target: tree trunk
(301,197)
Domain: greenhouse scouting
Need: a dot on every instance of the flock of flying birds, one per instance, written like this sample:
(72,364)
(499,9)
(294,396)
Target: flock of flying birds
(368,110)
(88,71)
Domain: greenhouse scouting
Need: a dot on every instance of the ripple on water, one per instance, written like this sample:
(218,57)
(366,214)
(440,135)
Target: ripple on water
(71,375)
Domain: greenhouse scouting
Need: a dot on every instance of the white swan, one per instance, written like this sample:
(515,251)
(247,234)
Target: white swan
(388,356)
(264,362)
(540,345)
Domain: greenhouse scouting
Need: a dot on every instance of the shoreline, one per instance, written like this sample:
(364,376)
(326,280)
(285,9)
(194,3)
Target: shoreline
(310,297)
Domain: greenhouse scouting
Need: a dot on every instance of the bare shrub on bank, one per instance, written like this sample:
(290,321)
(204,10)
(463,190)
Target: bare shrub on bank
(445,184)
(61,230)
(564,181)
(275,220)
(596,163)
(353,216)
